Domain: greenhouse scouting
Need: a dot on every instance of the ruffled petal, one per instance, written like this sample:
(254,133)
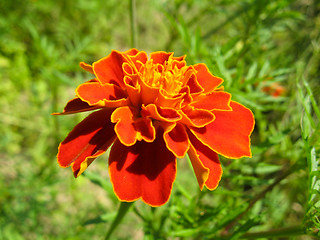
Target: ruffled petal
(213,101)
(178,62)
(193,83)
(108,95)
(206,79)
(131,52)
(89,139)
(129,128)
(139,59)
(144,170)
(164,100)
(76,105)
(109,69)
(160,57)
(187,98)
(133,91)
(205,163)
(201,172)
(196,117)
(148,94)
(229,134)
(176,139)
(159,113)
(181,58)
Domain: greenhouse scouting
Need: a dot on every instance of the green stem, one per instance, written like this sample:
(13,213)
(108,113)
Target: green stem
(123,209)
(279,232)
(133,25)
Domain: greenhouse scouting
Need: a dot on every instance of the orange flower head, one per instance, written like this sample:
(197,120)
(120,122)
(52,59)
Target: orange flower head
(151,112)
(274,89)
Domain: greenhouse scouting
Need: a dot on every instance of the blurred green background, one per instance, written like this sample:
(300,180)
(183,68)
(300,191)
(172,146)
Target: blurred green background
(268,52)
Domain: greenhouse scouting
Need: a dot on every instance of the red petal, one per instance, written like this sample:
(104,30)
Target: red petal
(160,57)
(213,101)
(148,94)
(196,117)
(160,113)
(133,91)
(187,98)
(178,62)
(164,100)
(204,159)
(181,58)
(176,139)
(193,83)
(131,52)
(229,134)
(89,139)
(144,170)
(108,95)
(129,129)
(139,59)
(109,69)
(206,79)
(128,69)
(86,67)
(76,105)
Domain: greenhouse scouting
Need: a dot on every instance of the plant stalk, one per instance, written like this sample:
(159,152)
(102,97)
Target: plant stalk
(133,23)
(123,210)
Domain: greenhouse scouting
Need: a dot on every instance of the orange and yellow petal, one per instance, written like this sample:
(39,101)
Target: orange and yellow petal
(205,163)
(207,81)
(201,172)
(89,138)
(193,84)
(80,166)
(87,67)
(160,57)
(109,69)
(108,95)
(131,52)
(229,134)
(148,94)
(213,101)
(129,128)
(160,113)
(196,117)
(143,171)
(164,100)
(133,91)
(139,59)
(176,139)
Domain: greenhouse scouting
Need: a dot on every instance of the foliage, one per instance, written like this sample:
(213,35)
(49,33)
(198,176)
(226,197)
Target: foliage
(250,43)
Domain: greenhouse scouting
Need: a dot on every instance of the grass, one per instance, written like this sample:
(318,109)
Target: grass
(252,44)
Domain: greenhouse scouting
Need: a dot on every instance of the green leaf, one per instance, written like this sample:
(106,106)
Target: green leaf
(101,219)
(184,233)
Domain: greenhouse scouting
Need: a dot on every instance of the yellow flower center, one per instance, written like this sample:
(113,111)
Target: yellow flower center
(167,76)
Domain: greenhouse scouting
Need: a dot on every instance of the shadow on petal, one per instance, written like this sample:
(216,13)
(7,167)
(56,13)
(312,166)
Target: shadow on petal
(144,170)
(91,137)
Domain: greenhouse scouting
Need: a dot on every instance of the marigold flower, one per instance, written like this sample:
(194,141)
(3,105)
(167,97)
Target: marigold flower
(153,111)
